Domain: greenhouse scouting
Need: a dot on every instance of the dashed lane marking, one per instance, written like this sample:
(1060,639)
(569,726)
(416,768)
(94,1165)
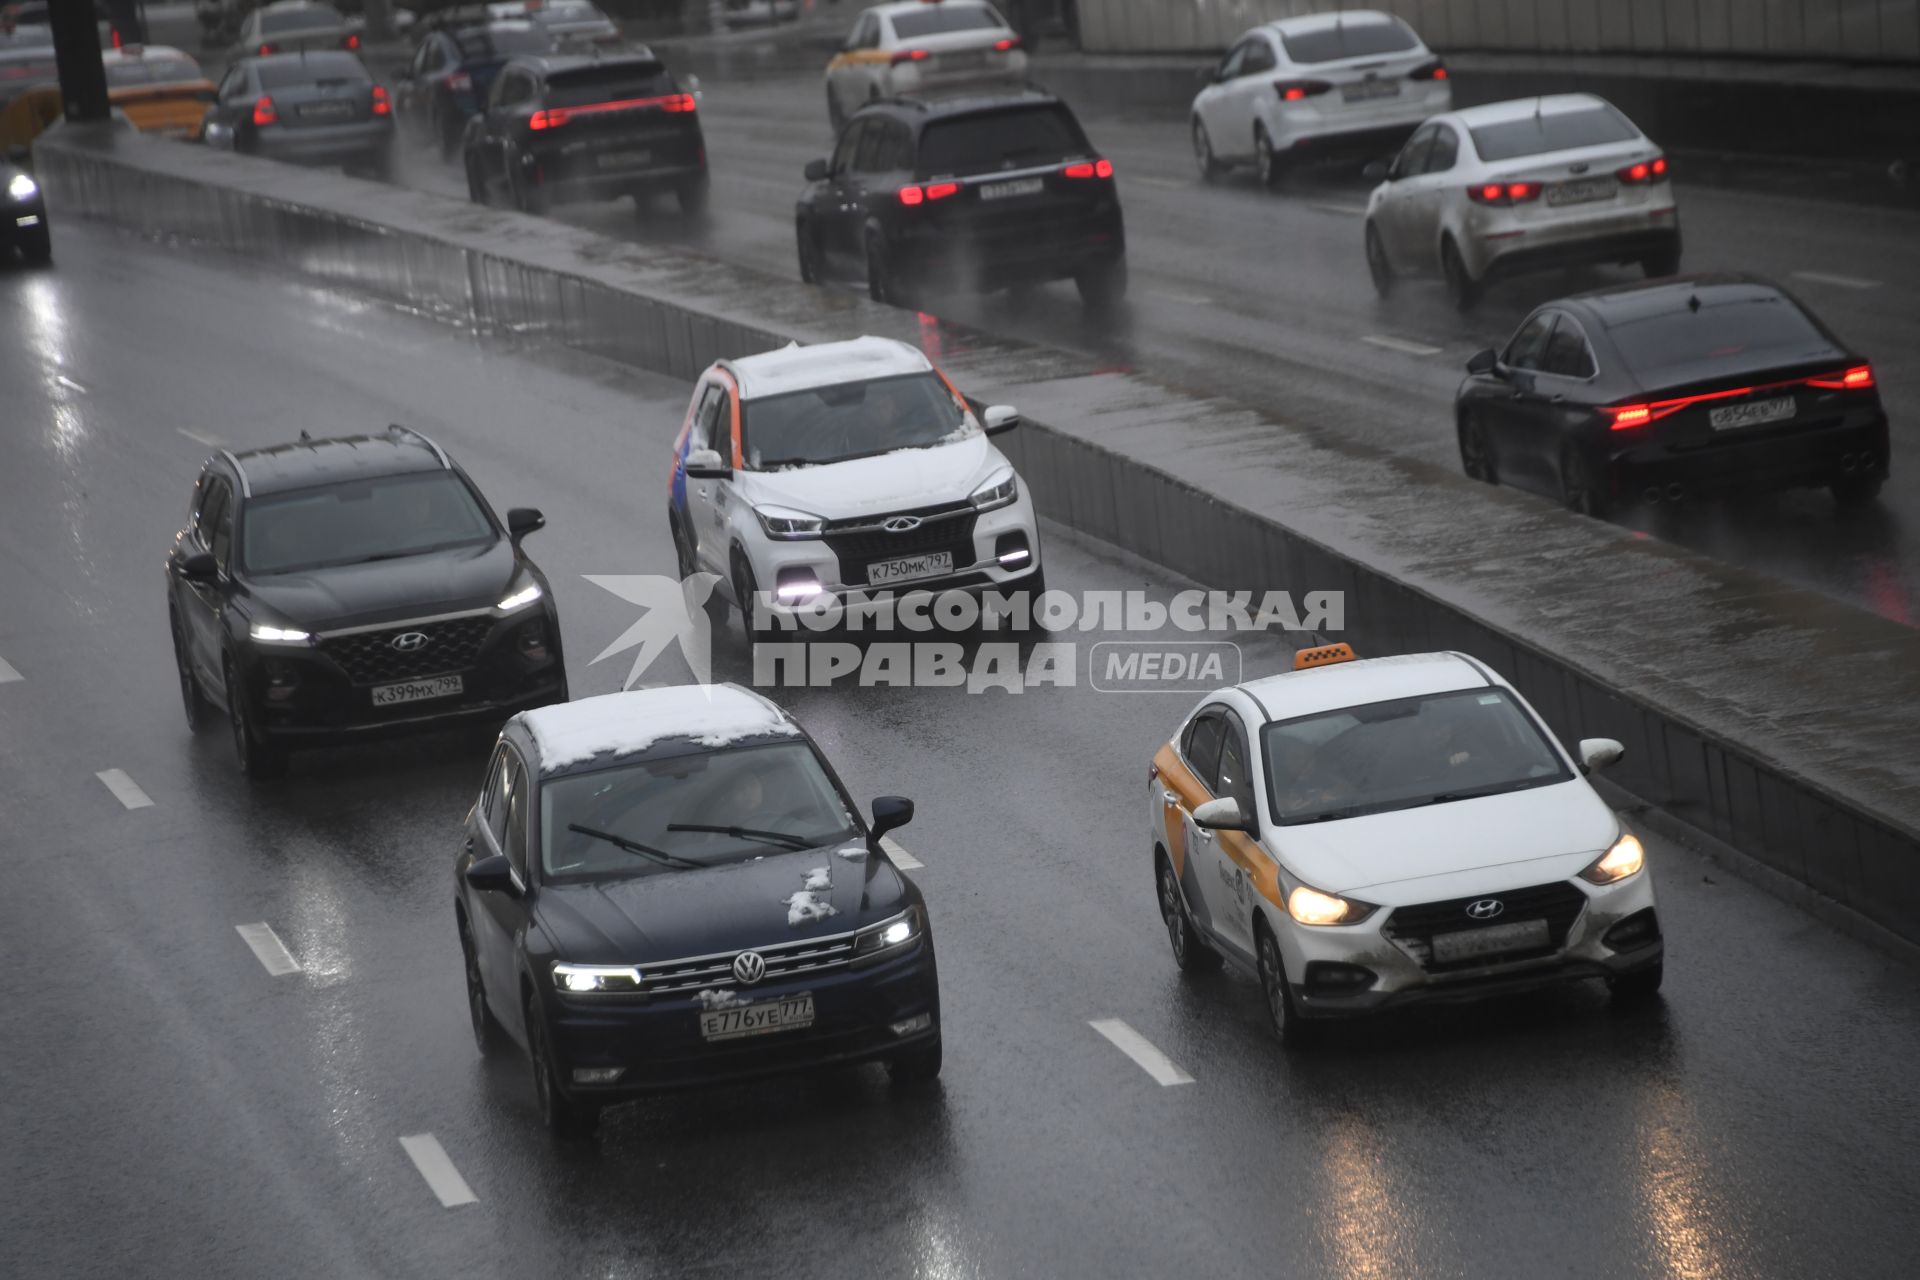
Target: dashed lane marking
(430,1158)
(268,949)
(901,858)
(124,789)
(1345,210)
(1845,282)
(1401,345)
(1141,1050)
(69,383)
(201,437)
(1187,299)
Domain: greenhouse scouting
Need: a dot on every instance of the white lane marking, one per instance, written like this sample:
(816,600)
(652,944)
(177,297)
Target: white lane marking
(1346,210)
(901,858)
(124,789)
(1167,184)
(1187,299)
(445,1180)
(7,673)
(69,383)
(201,437)
(1845,282)
(1141,1050)
(268,949)
(1401,345)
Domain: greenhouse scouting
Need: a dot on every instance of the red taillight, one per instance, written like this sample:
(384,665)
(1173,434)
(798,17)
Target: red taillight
(1503,192)
(1006,46)
(909,55)
(459,82)
(554,117)
(551,118)
(1295,90)
(1645,171)
(351,42)
(381,107)
(1630,415)
(263,112)
(1435,70)
(1858,378)
(266,49)
(912,195)
(941,190)
(679,103)
(1089,169)
(116,37)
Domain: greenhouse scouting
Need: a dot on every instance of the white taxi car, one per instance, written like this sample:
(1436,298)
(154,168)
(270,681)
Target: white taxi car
(846,470)
(1351,84)
(1521,186)
(1365,834)
(922,46)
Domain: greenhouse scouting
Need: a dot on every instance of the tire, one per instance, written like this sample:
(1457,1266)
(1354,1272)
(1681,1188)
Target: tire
(1267,164)
(1639,986)
(37,250)
(807,247)
(692,196)
(488,1035)
(1190,954)
(683,558)
(560,1114)
(257,760)
(1658,265)
(527,198)
(1462,288)
(882,284)
(916,1066)
(1379,266)
(451,134)
(744,590)
(1035,585)
(476,189)
(1210,168)
(200,711)
(1577,487)
(378,166)
(1476,453)
(1293,1031)
(1104,287)
(1856,491)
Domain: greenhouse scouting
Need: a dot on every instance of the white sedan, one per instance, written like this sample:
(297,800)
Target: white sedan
(1521,186)
(1365,835)
(923,46)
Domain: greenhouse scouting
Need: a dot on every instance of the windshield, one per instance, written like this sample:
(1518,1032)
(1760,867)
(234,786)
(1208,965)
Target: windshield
(1349,40)
(486,43)
(850,420)
(361,520)
(1560,131)
(1017,139)
(150,71)
(940,19)
(1718,331)
(316,18)
(685,812)
(1404,753)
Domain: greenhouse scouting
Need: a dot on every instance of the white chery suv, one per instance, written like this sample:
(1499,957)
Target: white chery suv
(812,476)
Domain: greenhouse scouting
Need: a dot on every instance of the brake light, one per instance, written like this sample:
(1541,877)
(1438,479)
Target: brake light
(1089,169)
(1006,46)
(1630,415)
(912,195)
(1503,193)
(1435,70)
(351,42)
(459,82)
(941,190)
(909,55)
(679,103)
(264,113)
(266,49)
(1858,378)
(550,118)
(381,107)
(1295,90)
(116,37)
(554,117)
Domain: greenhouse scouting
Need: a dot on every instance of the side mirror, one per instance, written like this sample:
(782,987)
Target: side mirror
(816,170)
(1598,753)
(1223,814)
(889,812)
(1376,171)
(200,567)
(522,521)
(1000,418)
(493,874)
(705,464)
(1483,361)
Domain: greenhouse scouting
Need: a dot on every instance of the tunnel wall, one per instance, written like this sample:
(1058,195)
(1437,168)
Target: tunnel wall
(1770,718)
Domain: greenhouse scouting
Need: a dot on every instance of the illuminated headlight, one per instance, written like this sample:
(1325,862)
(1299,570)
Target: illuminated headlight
(1616,864)
(267,633)
(521,598)
(1310,906)
(22,187)
(593,979)
(789,525)
(998,491)
(887,935)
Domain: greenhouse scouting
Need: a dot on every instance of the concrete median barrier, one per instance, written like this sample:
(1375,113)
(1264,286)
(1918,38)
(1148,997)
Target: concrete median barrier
(1767,717)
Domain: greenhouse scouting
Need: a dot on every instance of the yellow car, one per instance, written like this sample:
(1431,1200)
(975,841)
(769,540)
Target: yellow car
(161,90)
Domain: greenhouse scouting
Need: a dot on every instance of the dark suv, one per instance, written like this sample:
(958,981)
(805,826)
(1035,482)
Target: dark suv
(563,128)
(981,192)
(328,591)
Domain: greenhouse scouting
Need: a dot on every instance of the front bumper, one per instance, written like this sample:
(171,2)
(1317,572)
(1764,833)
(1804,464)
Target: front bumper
(1854,445)
(22,222)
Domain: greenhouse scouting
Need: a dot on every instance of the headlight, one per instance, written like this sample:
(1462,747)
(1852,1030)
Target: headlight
(271,634)
(22,187)
(1310,906)
(998,491)
(521,598)
(888,934)
(1617,863)
(593,979)
(788,525)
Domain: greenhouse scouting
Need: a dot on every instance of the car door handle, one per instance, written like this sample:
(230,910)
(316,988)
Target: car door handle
(1172,798)
(1204,834)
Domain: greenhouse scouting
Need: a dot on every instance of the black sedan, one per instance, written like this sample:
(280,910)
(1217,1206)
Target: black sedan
(1671,389)
(670,888)
(23,210)
(330,591)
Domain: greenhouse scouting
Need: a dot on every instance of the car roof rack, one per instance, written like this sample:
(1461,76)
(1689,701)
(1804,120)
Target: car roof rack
(398,432)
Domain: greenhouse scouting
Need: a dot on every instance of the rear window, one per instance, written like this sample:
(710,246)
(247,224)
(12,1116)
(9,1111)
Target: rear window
(574,12)
(1000,140)
(501,42)
(1561,131)
(312,18)
(1720,331)
(311,69)
(938,20)
(1350,40)
(609,84)
(150,71)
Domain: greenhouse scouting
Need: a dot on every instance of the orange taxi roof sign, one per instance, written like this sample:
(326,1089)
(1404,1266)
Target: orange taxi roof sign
(1320,657)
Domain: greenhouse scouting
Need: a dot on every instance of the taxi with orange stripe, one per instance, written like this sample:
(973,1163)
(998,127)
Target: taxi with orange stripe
(921,47)
(809,475)
(161,89)
(1359,835)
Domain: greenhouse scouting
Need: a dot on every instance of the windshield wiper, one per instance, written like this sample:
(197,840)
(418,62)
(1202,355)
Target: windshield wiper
(660,856)
(746,833)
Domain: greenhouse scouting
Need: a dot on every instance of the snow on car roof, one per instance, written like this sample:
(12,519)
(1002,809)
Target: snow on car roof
(1321,21)
(620,724)
(824,364)
(1352,684)
(1518,108)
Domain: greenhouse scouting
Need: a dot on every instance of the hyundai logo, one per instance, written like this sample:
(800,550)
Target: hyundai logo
(1486,908)
(409,641)
(901,524)
(749,968)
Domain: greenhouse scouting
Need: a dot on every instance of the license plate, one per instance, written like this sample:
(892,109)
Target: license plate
(907,568)
(960,61)
(1581,192)
(326,111)
(1018,187)
(1367,90)
(1471,944)
(1752,413)
(757,1019)
(623,159)
(387,695)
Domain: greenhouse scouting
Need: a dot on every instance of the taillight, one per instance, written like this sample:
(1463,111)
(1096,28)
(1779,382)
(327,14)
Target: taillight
(909,55)
(1435,70)
(116,37)
(1502,193)
(1654,170)
(266,49)
(1295,90)
(1630,415)
(679,103)
(554,117)
(1006,46)
(459,82)
(351,42)
(1089,169)
(551,118)
(1858,378)
(381,107)
(913,195)
(263,112)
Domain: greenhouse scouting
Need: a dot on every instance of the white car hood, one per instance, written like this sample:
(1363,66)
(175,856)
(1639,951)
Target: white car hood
(896,481)
(1442,851)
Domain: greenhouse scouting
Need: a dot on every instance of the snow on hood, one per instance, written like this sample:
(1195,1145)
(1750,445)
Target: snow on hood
(885,482)
(623,723)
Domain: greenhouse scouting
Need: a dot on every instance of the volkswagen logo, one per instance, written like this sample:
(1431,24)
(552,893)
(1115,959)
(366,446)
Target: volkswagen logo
(1577,168)
(1486,908)
(409,641)
(749,968)
(901,524)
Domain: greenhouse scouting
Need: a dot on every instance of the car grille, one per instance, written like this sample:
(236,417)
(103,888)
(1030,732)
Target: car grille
(785,960)
(858,543)
(1413,927)
(368,657)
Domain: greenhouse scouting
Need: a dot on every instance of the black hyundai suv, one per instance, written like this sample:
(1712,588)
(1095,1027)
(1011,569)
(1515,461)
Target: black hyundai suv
(564,127)
(981,192)
(327,591)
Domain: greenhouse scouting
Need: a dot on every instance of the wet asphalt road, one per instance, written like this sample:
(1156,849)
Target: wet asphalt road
(1264,297)
(169,1108)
